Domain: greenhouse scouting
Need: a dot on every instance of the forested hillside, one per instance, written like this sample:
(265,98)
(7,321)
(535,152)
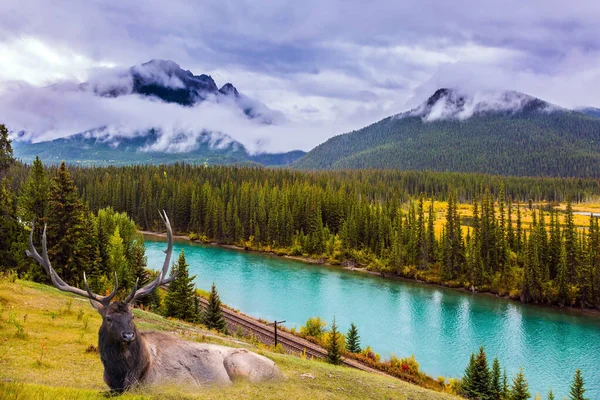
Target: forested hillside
(87,150)
(532,140)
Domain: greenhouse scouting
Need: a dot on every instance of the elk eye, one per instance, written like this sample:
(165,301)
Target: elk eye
(108,319)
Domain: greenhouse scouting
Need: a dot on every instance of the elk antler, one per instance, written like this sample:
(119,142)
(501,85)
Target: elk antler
(160,279)
(96,300)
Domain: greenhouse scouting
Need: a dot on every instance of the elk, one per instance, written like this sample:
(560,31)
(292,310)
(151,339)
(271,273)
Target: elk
(131,357)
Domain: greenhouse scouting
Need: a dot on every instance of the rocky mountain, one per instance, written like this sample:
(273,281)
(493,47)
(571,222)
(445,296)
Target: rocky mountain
(120,131)
(506,133)
(167,81)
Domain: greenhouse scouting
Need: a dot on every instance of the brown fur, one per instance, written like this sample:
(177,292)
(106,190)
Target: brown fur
(153,357)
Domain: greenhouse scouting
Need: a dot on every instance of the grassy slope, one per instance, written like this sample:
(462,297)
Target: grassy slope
(52,321)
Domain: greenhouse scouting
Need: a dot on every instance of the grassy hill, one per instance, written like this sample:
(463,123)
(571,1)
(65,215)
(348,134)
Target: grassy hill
(536,140)
(47,351)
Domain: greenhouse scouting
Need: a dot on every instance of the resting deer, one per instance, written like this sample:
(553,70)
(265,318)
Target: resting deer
(131,357)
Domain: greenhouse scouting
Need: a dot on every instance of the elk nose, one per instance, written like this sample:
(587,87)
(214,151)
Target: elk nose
(128,336)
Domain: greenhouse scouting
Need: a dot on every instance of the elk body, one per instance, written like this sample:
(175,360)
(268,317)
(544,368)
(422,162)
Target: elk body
(131,357)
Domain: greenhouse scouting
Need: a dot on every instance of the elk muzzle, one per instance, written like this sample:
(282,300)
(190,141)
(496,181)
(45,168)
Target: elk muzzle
(128,337)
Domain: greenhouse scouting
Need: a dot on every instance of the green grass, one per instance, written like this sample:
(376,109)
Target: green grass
(45,354)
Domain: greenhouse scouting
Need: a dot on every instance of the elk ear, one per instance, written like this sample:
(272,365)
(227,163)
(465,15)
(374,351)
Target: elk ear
(97,305)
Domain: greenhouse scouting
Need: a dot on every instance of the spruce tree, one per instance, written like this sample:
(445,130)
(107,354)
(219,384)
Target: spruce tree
(34,198)
(577,389)
(213,316)
(481,376)
(550,394)
(467,380)
(6,152)
(477,381)
(520,389)
(65,227)
(505,388)
(496,384)
(353,340)
(333,351)
(179,301)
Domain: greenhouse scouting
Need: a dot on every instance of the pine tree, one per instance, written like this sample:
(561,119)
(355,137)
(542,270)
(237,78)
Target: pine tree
(65,225)
(213,316)
(481,376)
(467,380)
(34,198)
(505,388)
(570,235)
(562,278)
(550,394)
(496,384)
(6,152)
(179,301)
(353,340)
(333,351)
(577,389)
(477,380)
(520,389)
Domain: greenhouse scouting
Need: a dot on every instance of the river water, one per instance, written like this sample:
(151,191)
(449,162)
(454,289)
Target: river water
(441,327)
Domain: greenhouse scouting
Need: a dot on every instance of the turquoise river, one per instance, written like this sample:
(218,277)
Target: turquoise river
(441,327)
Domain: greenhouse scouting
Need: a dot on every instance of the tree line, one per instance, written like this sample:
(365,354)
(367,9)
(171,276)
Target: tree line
(383,220)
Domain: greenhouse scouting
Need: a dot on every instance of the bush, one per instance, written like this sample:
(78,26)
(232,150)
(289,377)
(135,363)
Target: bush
(314,327)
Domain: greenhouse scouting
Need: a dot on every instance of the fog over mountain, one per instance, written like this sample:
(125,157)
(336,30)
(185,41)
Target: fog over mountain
(459,104)
(185,111)
(495,132)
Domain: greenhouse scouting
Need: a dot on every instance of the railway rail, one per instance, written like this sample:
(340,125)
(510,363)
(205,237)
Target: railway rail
(288,341)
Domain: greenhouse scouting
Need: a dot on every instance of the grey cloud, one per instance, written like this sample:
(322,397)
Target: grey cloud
(353,62)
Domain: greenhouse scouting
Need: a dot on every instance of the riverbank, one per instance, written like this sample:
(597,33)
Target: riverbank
(384,275)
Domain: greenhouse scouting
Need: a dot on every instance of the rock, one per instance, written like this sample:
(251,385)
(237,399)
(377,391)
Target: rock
(307,376)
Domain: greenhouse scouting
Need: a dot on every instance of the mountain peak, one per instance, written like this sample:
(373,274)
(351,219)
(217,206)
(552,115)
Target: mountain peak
(166,65)
(453,103)
(228,89)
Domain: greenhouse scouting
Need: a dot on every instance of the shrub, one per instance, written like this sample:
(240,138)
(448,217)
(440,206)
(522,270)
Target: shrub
(314,327)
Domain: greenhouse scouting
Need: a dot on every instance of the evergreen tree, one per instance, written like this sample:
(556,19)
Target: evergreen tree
(477,381)
(6,152)
(505,388)
(482,376)
(577,389)
(520,389)
(353,340)
(34,198)
(550,394)
(333,351)
(65,226)
(179,301)
(213,316)
(496,384)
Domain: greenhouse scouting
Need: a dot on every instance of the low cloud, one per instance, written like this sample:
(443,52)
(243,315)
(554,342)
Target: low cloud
(42,114)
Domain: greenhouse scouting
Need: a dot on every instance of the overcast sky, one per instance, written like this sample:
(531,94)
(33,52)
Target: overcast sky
(329,66)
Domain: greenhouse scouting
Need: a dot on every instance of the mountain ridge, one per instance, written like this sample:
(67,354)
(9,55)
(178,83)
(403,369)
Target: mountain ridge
(503,133)
(163,81)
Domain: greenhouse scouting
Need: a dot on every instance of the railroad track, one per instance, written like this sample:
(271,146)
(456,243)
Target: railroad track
(289,341)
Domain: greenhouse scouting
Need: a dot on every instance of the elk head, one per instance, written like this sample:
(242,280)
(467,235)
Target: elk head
(117,317)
